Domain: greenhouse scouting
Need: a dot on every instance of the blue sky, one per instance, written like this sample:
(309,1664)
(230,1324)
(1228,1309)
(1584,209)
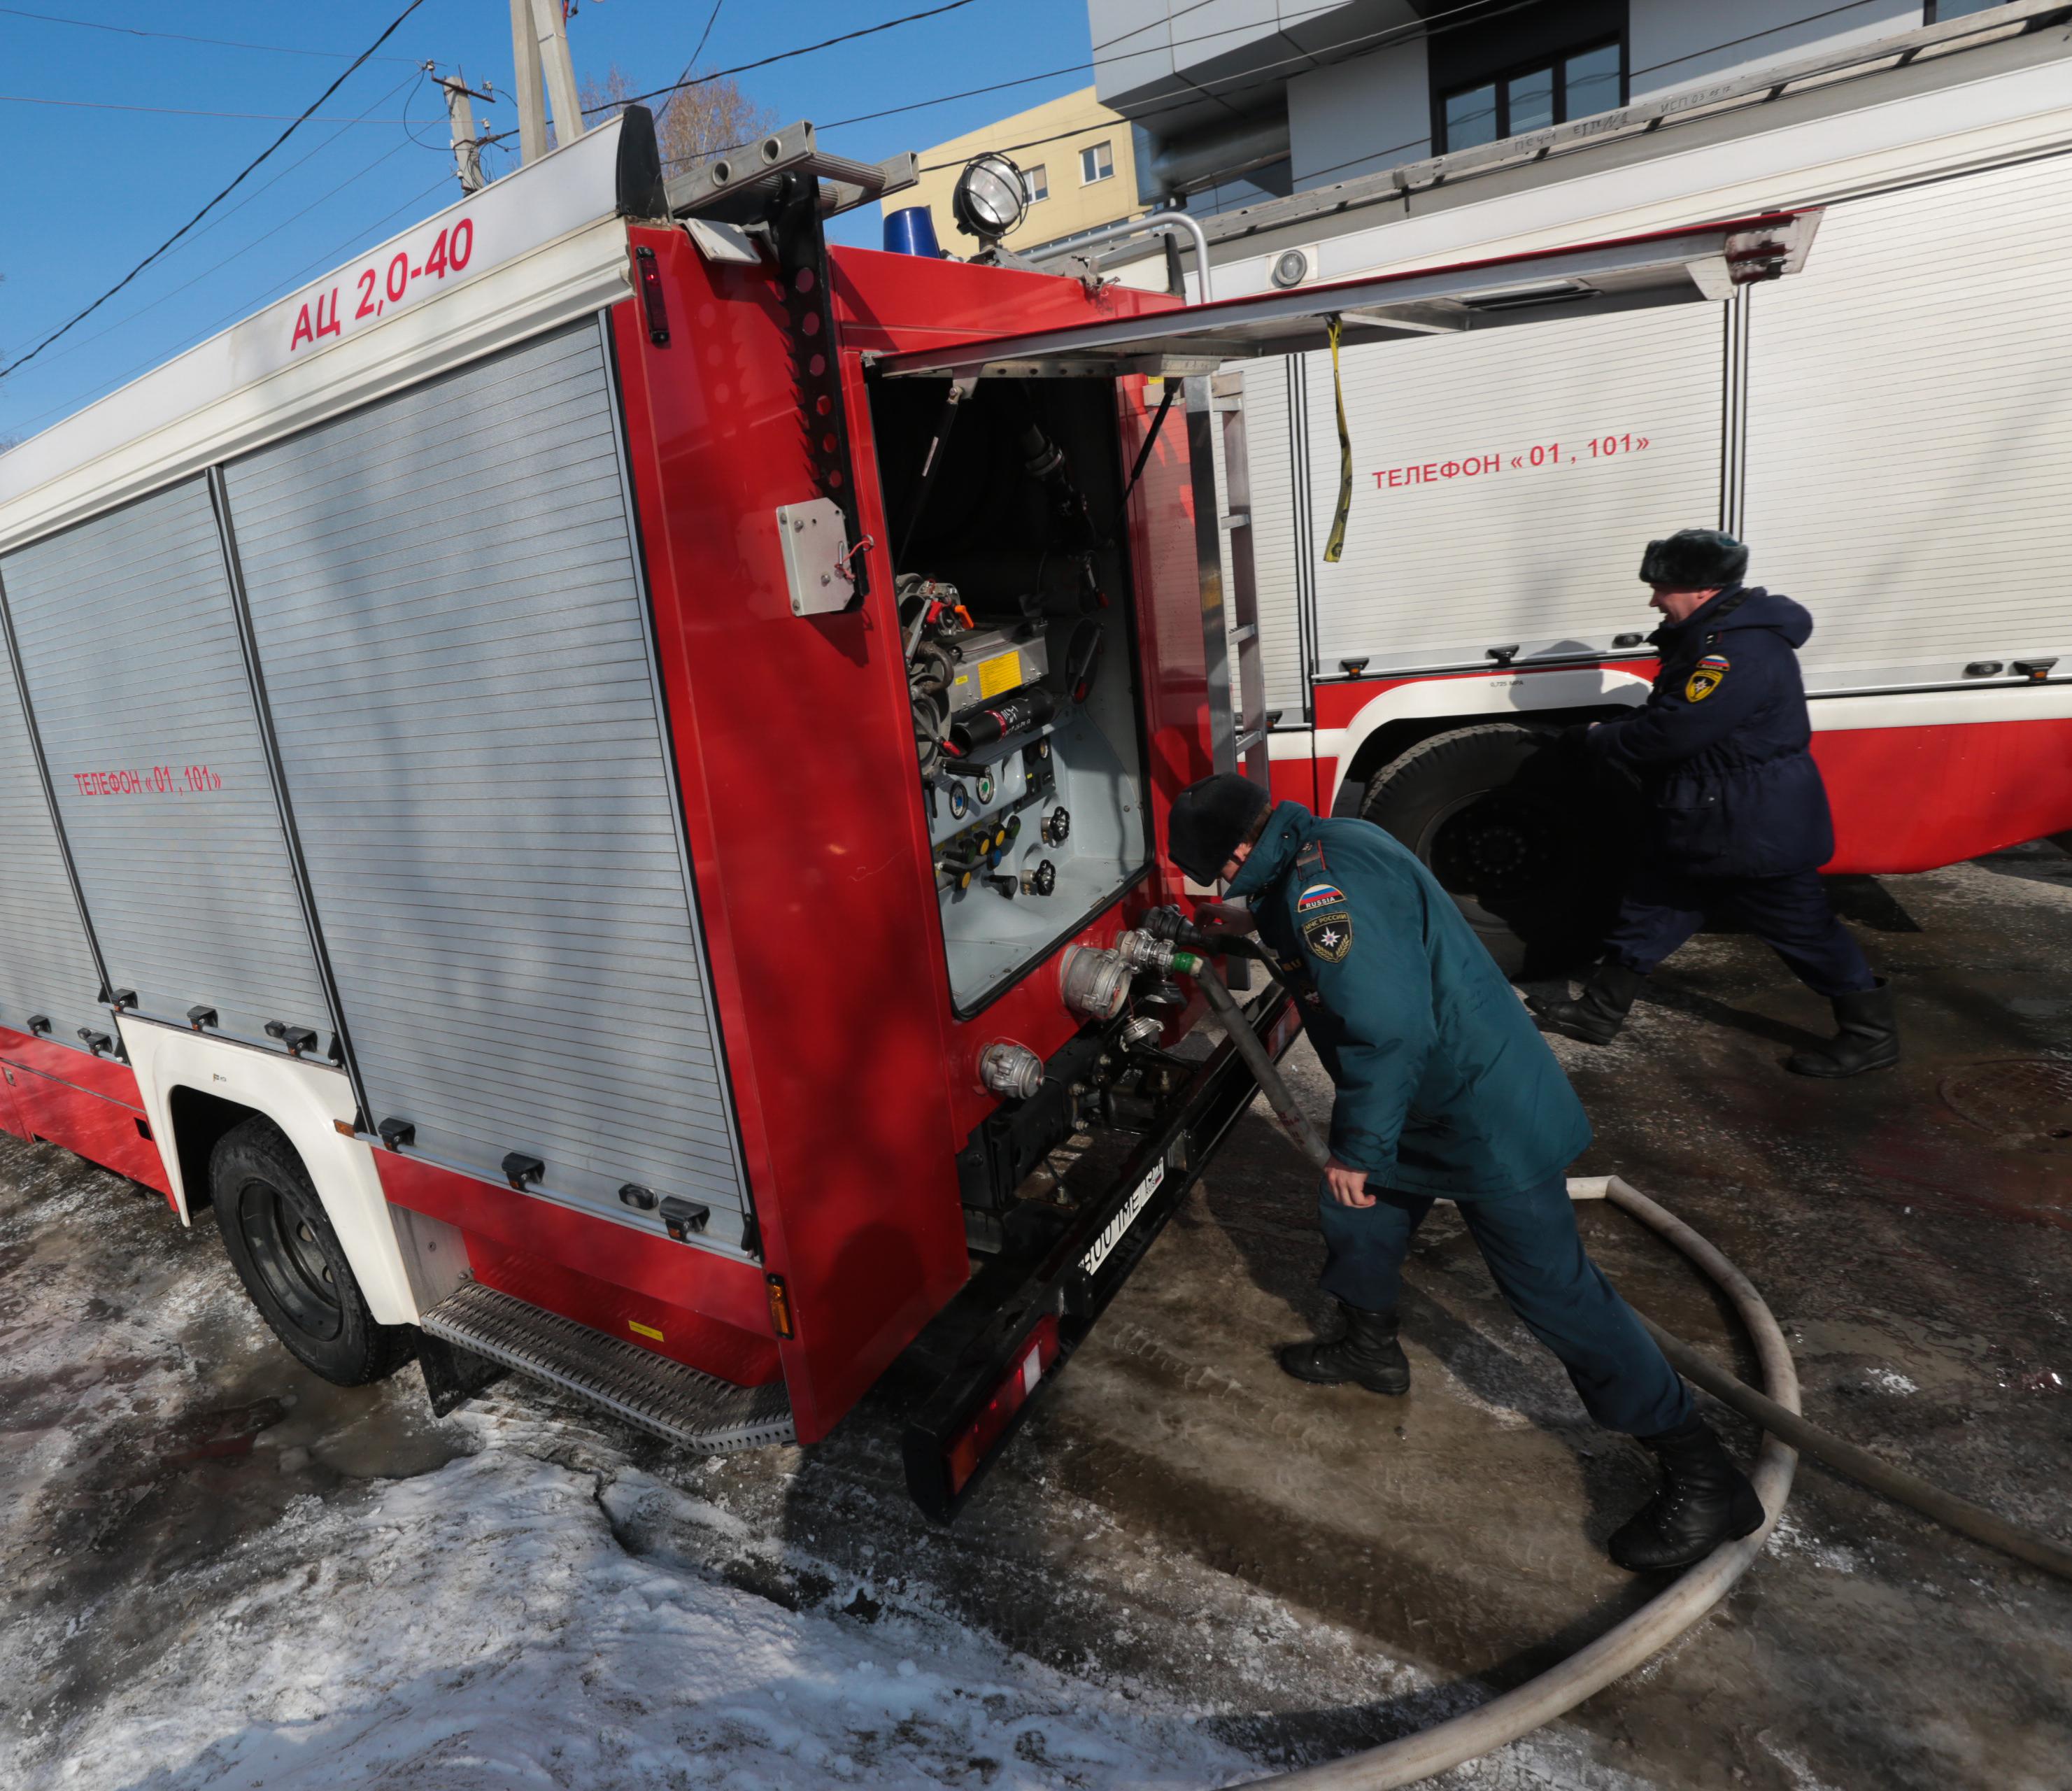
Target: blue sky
(90,193)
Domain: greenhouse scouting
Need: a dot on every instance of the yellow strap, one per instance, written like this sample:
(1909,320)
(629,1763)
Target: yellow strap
(1335,547)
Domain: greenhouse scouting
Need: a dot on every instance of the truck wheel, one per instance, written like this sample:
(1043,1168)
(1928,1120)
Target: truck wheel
(1519,838)
(290,1260)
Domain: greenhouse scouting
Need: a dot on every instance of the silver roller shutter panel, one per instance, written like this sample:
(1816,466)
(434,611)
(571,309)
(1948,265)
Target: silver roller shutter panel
(454,637)
(1436,573)
(46,965)
(131,651)
(1910,430)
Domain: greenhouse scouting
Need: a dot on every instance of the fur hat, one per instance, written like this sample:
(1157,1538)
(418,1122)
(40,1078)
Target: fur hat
(1694,559)
(1210,820)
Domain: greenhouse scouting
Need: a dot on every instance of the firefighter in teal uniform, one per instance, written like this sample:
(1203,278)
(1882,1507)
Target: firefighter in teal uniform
(1446,1090)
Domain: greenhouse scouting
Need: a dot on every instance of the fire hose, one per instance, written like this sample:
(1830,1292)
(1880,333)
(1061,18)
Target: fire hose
(1624,1647)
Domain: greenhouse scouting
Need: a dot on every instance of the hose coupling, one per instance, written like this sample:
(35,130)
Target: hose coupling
(1094,983)
(1141,951)
(1013,1072)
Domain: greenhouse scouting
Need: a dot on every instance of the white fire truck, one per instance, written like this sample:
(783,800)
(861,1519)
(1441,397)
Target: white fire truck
(1894,450)
(586,779)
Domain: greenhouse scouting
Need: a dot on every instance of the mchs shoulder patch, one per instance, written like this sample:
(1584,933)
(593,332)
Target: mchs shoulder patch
(1328,936)
(1706,676)
(1319,895)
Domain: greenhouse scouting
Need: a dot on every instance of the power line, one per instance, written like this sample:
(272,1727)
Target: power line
(1734,42)
(1080,69)
(1688,55)
(917,105)
(328,259)
(191,112)
(1151,49)
(1433,25)
(691,62)
(222,217)
(782,55)
(79,317)
(1409,33)
(181,37)
(1083,68)
(711,18)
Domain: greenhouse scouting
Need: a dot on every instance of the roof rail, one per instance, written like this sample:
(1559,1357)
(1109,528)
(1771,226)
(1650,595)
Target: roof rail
(734,185)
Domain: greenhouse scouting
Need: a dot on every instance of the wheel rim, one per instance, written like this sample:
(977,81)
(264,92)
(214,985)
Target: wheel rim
(1495,847)
(290,1255)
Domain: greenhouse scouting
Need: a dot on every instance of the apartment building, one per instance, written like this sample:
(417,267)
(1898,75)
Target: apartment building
(1077,162)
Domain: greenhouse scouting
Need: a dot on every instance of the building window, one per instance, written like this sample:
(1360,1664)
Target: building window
(1036,182)
(1937,12)
(1571,85)
(1096,162)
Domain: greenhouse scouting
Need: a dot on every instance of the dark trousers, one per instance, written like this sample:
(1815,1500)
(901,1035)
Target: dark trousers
(1537,1260)
(1790,915)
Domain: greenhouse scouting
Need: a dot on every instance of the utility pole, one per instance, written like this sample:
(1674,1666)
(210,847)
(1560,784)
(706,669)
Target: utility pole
(540,48)
(460,124)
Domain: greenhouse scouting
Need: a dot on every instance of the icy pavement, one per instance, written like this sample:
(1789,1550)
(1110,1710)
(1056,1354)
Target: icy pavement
(185,1614)
(484,1625)
(217,1571)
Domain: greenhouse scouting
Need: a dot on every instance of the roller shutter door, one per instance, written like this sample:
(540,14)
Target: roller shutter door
(1437,571)
(46,965)
(130,653)
(454,638)
(1910,430)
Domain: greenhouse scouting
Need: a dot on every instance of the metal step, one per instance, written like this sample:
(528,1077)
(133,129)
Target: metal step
(698,1410)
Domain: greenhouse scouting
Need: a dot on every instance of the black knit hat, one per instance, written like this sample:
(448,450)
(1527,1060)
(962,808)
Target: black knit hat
(1211,819)
(1694,559)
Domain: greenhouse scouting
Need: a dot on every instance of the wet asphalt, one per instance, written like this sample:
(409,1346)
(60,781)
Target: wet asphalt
(1320,1568)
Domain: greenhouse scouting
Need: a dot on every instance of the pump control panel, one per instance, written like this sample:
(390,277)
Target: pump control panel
(1024,729)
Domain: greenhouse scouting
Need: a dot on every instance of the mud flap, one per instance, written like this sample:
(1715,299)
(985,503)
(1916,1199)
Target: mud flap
(453,1376)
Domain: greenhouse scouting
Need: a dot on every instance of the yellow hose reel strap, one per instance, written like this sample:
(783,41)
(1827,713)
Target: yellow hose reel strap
(1335,547)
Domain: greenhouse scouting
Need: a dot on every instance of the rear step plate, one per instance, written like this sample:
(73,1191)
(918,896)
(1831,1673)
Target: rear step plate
(698,1410)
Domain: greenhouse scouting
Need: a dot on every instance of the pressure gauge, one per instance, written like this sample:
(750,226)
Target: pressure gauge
(989,198)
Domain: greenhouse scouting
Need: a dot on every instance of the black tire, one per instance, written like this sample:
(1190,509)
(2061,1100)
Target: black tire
(291,1262)
(1529,845)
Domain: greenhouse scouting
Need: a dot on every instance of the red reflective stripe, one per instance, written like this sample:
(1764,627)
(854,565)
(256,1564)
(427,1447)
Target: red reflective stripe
(976,1440)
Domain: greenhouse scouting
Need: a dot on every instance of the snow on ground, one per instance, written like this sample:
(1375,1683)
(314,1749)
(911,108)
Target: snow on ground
(483,1626)
(529,1614)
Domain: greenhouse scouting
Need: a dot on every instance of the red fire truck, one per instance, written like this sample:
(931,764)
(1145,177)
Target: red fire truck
(586,779)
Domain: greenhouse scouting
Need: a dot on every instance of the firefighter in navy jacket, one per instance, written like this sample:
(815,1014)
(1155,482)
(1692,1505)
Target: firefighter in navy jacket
(1446,1089)
(1737,815)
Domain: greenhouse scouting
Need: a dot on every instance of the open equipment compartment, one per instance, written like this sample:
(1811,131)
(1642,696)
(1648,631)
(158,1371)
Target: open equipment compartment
(1005,497)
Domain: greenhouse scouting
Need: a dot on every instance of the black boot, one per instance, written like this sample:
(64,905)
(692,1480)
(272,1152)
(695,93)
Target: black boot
(1705,1500)
(1596,1015)
(1366,1351)
(1868,1039)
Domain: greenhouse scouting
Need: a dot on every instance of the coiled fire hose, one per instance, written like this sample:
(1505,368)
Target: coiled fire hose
(1671,1613)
